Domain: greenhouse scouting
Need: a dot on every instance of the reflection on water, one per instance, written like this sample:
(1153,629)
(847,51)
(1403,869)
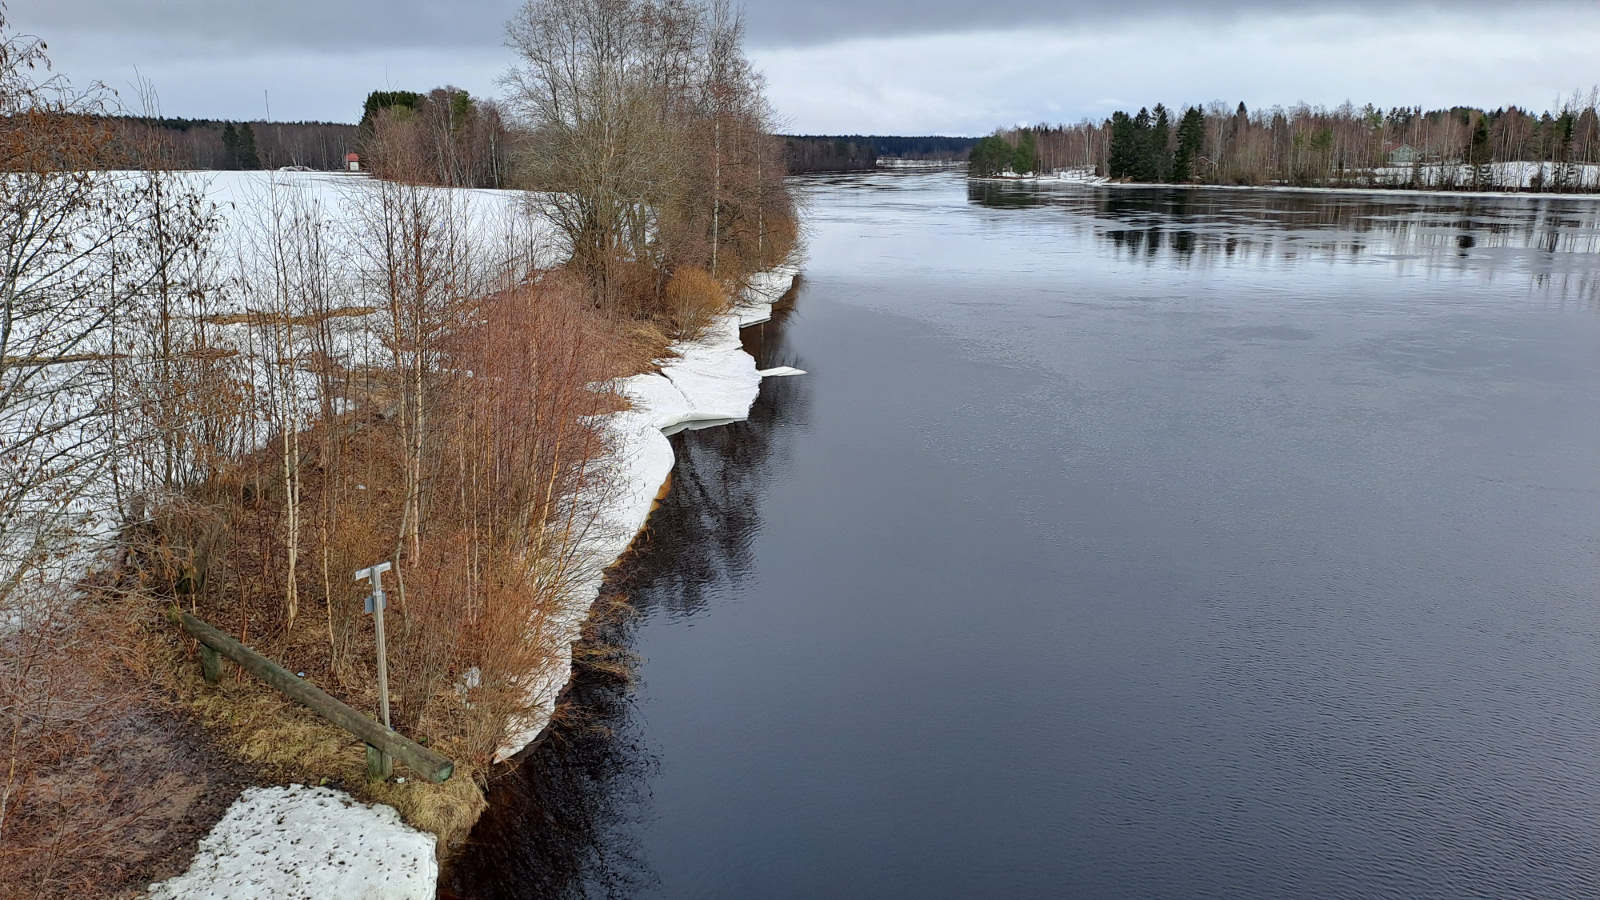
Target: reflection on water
(1124,543)
(1556,241)
(564,822)
(711,515)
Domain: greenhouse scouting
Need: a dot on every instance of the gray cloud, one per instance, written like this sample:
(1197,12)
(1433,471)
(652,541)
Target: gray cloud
(777,22)
(845,65)
(201,26)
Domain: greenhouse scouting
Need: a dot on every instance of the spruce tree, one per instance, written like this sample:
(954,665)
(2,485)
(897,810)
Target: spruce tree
(1120,155)
(403,102)
(989,156)
(1191,138)
(230,147)
(248,158)
(1478,151)
(1159,165)
(1140,164)
(1025,158)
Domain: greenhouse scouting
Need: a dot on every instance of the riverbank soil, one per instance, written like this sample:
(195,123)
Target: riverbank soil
(110,782)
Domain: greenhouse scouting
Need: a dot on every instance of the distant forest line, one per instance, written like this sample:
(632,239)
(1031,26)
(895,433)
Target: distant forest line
(860,153)
(478,143)
(1462,147)
(221,144)
(445,136)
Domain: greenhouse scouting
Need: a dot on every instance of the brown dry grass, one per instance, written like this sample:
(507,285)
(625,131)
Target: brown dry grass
(693,298)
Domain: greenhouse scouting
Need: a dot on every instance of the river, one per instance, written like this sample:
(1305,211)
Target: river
(1121,543)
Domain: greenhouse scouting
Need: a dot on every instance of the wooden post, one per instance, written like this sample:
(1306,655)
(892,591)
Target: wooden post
(210,664)
(380,765)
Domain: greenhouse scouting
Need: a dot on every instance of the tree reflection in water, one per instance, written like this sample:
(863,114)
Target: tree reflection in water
(564,822)
(1553,239)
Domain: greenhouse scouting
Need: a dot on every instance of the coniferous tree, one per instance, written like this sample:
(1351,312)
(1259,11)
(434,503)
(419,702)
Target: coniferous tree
(1123,149)
(1346,145)
(230,147)
(1157,164)
(1143,163)
(1191,138)
(990,156)
(1478,152)
(248,157)
(382,100)
(1025,157)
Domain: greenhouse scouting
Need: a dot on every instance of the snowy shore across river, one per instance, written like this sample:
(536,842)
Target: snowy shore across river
(315,842)
(1514,179)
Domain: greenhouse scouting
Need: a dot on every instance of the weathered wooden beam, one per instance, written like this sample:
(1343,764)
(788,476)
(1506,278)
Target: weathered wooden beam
(385,741)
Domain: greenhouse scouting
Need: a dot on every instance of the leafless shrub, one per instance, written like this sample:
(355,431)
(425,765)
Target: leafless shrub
(647,134)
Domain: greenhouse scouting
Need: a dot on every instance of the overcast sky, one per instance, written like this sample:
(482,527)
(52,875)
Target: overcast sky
(863,66)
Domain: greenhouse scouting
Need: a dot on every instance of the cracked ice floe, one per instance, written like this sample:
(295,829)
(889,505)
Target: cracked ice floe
(285,843)
(710,381)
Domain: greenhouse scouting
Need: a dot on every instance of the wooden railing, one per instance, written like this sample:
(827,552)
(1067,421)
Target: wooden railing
(383,744)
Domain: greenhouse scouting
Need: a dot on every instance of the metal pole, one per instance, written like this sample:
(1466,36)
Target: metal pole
(375,605)
(383,658)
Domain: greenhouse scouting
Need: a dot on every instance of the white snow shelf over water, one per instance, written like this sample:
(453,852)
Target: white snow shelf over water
(288,843)
(314,843)
(709,381)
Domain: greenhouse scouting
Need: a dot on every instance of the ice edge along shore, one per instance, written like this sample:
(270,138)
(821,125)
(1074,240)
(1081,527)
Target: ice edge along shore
(314,842)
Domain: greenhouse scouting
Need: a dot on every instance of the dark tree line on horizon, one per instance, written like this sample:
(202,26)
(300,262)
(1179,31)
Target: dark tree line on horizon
(1461,147)
(860,153)
(222,144)
(821,154)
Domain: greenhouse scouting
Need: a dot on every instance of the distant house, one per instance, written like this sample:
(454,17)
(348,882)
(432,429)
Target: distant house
(1404,155)
(352,161)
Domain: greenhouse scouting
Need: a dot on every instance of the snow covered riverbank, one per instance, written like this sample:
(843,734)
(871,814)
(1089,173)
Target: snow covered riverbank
(292,842)
(709,381)
(1390,182)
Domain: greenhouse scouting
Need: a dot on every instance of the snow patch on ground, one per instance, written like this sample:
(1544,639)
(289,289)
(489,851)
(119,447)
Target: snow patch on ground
(709,381)
(285,843)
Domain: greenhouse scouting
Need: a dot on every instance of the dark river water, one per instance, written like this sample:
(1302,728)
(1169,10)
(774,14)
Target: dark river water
(1120,543)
